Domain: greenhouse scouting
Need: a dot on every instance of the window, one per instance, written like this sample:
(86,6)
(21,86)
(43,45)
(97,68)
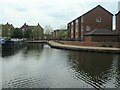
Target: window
(98,19)
(82,36)
(9,33)
(76,36)
(76,29)
(71,36)
(82,19)
(72,24)
(81,28)
(77,22)
(71,30)
(87,28)
(23,29)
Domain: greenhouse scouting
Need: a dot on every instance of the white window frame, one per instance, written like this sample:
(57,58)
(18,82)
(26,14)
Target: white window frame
(72,24)
(76,36)
(81,28)
(72,30)
(82,36)
(76,29)
(87,28)
(98,19)
(77,21)
(82,19)
(71,36)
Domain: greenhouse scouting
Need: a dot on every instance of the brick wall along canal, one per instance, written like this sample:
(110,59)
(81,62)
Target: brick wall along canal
(39,66)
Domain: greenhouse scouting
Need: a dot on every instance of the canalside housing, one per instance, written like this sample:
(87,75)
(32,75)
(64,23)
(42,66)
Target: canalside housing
(97,18)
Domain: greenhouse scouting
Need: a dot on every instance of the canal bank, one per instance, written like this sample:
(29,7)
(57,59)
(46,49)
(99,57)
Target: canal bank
(84,48)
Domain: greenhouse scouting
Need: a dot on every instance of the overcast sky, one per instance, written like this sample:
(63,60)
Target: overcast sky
(56,13)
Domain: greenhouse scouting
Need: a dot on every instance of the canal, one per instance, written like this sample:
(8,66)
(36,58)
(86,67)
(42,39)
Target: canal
(39,66)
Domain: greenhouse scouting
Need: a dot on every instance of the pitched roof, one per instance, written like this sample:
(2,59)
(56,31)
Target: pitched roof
(97,7)
(92,10)
(117,13)
(31,27)
(101,32)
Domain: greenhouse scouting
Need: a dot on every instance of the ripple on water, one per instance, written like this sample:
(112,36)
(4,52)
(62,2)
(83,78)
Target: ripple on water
(29,81)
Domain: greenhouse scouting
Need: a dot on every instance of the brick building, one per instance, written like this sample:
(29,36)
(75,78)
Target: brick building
(118,22)
(7,30)
(101,35)
(36,31)
(59,34)
(97,18)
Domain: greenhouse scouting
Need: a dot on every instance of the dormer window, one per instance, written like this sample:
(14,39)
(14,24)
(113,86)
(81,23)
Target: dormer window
(98,19)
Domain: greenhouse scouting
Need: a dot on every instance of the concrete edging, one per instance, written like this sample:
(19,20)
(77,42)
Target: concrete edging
(83,48)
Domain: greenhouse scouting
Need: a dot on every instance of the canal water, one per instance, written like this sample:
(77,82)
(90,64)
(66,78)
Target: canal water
(39,66)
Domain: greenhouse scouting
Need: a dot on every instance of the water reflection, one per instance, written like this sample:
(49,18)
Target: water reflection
(8,52)
(39,66)
(97,69)
(34,47)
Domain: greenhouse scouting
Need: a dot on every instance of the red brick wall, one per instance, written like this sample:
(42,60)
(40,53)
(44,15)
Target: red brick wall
(78,43)
(91,44)
(77,28)
(101,38)
(90,20)
(87,38)
(69,31)
(118,23)
(105,38)
(72,30)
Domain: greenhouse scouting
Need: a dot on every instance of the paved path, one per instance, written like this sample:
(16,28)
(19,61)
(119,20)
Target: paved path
(37,41)
(84,48)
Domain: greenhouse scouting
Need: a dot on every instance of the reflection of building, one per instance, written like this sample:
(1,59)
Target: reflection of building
(7,30)
(97,18)
(92,71)
(34,48)
(35,31)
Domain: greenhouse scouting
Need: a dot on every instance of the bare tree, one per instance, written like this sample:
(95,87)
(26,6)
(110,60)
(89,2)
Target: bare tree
(48,29)
(62,27)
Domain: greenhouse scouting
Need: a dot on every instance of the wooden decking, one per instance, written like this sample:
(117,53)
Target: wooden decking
(84,48)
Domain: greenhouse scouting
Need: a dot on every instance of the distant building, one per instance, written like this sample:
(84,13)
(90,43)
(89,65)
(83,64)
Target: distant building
(36,31)
(97,18)
(7,30)
(59,34)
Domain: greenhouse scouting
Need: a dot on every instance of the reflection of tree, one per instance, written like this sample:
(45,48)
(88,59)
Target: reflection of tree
(34,47)
(8,52)
(93,68)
